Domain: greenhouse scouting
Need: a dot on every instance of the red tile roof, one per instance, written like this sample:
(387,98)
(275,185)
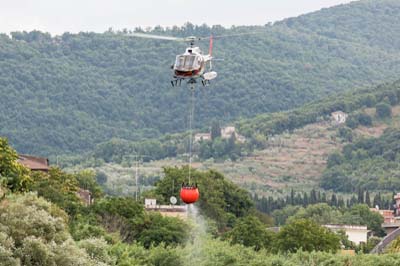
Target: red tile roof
(34,163)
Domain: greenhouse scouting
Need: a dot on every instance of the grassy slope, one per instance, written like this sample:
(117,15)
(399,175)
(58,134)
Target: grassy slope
(294,160)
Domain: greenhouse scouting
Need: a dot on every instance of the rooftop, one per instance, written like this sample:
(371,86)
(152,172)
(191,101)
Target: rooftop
(34,163)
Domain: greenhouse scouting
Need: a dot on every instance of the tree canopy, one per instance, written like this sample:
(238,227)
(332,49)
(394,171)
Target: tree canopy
(87,88)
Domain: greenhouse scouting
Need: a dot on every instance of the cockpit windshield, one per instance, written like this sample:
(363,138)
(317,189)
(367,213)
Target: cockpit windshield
(187,62)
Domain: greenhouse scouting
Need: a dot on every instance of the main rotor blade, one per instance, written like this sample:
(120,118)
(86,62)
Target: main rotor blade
(232,35)
(158,37)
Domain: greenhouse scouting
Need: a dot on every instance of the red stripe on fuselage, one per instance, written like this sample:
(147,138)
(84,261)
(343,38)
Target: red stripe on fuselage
(186,73)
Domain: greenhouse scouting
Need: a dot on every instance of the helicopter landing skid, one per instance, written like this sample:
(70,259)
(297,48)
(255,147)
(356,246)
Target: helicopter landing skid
(205,82)
(176,82)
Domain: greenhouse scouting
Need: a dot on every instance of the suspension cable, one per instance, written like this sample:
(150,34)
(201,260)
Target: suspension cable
(191,115)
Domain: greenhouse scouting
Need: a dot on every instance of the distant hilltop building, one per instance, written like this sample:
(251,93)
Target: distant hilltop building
(202,137)
(166,210)
(34,163)
(339,117)
(226,133)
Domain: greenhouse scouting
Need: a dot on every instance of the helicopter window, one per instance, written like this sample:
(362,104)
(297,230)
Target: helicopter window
(189,61)
(197,62)
(180,61)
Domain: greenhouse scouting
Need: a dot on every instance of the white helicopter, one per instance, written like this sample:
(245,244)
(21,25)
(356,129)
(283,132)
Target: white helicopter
(193,65)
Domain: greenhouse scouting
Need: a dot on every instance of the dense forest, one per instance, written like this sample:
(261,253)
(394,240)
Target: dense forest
(64,94)
(370,163)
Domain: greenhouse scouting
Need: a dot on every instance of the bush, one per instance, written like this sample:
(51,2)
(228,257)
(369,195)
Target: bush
(97,249)
(34,231)
(364,119)
(383,110)
(346,134)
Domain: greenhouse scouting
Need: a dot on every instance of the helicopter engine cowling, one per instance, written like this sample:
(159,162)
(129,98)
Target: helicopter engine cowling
(210,75)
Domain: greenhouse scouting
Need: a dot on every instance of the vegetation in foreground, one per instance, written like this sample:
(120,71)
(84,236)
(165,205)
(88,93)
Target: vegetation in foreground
(43,222)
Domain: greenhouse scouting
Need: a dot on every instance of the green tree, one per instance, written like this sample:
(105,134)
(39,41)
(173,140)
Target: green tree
(320,213)
(12,174)
(362,215)
(335,159)
(36,233)
(101,178)
(215,130)
(220,199)
(124,216)
(166,230)
(59,188)
(87,180)
(364,119)
(352,122)
(346,133)
(383,110)
(306,235)
(250,232)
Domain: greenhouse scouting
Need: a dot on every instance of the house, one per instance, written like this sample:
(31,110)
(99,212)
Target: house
(34,163)
(166,210)
(202,137)
(339,117)
(240,138)
(150,203)
(356,233)
(227,132)
(388,215)
(86,196)
(392,223)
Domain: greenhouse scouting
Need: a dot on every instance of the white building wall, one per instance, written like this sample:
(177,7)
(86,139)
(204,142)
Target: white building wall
(355,233)
(357,236)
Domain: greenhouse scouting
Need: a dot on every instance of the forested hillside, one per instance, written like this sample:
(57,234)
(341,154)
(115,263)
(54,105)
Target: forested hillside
(299,149)
(67,93)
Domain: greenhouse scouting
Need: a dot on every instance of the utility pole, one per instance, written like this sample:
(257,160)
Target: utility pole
(137,178)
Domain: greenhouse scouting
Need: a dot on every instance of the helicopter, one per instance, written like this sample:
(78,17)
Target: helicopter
(192,65)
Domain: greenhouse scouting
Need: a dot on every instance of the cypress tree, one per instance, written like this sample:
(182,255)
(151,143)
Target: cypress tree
(341,202)
(292,197)
(334,201)
(378,200)
(367,199)
(215,130)
(323,197)
(305,199)
(313,197)
(360,198)
(353,201)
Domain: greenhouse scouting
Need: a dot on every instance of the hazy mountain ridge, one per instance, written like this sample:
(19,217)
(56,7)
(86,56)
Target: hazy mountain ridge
(370,22)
